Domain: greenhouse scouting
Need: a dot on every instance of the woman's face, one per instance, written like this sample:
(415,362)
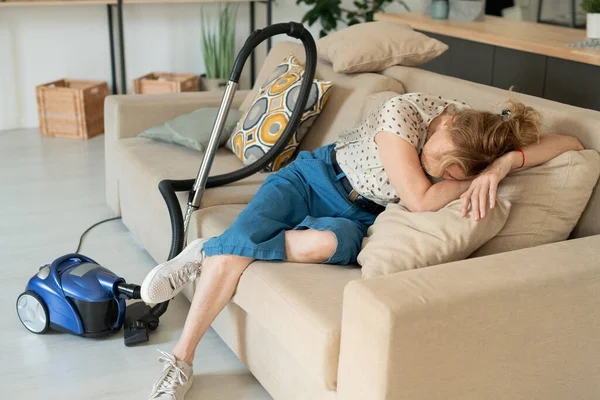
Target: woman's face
(439,143)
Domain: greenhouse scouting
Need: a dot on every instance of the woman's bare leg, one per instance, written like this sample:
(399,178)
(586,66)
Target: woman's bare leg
(218,280)
(220,276)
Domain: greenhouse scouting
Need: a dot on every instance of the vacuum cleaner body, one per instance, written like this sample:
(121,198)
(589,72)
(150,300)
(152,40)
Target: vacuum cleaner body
(73,294)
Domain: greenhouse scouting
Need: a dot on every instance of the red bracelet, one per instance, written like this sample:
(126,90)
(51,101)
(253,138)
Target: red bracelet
(522,155)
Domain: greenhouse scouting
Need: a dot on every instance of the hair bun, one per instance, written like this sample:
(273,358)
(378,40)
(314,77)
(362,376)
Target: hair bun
(524,123)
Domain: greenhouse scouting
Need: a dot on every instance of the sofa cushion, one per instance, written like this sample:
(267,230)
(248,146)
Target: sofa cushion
(300,304)
(373,46)
(143,163)
(346,98)
(264,122)
(400,240)
(558,118)
(547,201)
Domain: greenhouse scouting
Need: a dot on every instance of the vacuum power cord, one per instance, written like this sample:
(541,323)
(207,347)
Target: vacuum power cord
(90,228)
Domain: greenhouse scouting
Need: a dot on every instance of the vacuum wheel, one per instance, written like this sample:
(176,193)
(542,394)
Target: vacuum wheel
(33,312)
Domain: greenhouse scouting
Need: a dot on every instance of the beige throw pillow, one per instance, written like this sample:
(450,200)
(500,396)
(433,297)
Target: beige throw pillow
(400,240)
(547,201)
(375,46)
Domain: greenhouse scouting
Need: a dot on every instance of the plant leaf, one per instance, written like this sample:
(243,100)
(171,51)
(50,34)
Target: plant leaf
(218,41)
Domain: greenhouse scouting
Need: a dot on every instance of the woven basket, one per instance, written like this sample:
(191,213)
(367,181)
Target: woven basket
(71,108)
(162,82)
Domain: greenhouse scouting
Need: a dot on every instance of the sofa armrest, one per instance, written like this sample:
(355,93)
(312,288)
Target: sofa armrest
(517,325)
(126,116)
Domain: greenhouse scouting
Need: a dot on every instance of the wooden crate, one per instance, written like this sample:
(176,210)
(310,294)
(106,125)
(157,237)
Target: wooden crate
(163,82)
(71,108)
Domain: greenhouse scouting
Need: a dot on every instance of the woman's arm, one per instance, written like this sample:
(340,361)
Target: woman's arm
(549,146)
(403,167)
(486,184)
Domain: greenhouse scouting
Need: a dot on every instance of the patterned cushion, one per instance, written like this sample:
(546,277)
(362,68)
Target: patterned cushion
(261,126)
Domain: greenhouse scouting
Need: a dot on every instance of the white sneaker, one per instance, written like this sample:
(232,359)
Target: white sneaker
(175,381)
(169,278)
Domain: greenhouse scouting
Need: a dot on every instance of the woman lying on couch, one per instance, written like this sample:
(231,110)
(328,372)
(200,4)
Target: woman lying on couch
(319,207)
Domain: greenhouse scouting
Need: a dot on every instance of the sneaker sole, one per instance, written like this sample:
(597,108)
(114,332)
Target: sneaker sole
(144,291)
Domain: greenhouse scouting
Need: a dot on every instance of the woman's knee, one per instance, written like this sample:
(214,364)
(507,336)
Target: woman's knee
(348,236)
(309,245)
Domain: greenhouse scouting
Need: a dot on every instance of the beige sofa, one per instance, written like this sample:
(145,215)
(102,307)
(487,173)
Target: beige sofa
(517,325)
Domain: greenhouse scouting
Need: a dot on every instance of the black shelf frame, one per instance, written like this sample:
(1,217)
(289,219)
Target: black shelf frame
(572,22)
(118,32)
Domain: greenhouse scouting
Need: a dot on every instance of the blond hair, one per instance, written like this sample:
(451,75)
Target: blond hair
(480,137)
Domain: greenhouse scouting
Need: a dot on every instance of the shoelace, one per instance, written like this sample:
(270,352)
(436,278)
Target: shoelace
(187,273)
(167,382)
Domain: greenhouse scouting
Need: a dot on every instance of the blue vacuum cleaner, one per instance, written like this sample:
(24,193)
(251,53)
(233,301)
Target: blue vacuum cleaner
(74,294)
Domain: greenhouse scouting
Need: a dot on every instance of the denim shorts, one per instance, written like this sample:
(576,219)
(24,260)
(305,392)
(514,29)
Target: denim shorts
(306,194)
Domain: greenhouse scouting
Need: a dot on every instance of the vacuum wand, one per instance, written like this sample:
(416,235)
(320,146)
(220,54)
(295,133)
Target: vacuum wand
(198,190)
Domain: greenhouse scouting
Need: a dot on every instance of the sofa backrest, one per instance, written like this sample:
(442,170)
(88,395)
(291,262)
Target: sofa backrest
(347,98)
(558,118)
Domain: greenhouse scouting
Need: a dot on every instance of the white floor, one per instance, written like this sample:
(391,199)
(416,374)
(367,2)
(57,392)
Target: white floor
(51,190)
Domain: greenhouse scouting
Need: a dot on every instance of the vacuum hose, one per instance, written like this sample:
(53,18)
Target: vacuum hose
(168,188)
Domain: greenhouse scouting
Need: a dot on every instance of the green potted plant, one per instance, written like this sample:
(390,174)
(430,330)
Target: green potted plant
(592,7)
(218,47)
(330,12)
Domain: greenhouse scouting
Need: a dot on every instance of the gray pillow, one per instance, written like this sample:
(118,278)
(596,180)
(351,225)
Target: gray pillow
(193,130)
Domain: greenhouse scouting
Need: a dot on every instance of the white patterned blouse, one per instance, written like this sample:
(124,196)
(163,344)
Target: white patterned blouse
(408,116)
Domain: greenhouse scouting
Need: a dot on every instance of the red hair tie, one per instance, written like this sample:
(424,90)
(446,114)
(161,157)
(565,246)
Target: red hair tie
(523,156)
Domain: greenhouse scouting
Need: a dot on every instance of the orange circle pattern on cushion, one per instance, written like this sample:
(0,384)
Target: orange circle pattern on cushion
(272,128)
(283,158)
(283,83)
(238,144)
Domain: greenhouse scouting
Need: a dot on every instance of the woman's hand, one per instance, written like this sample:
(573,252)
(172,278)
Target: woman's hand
(486,183)
(485,186)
